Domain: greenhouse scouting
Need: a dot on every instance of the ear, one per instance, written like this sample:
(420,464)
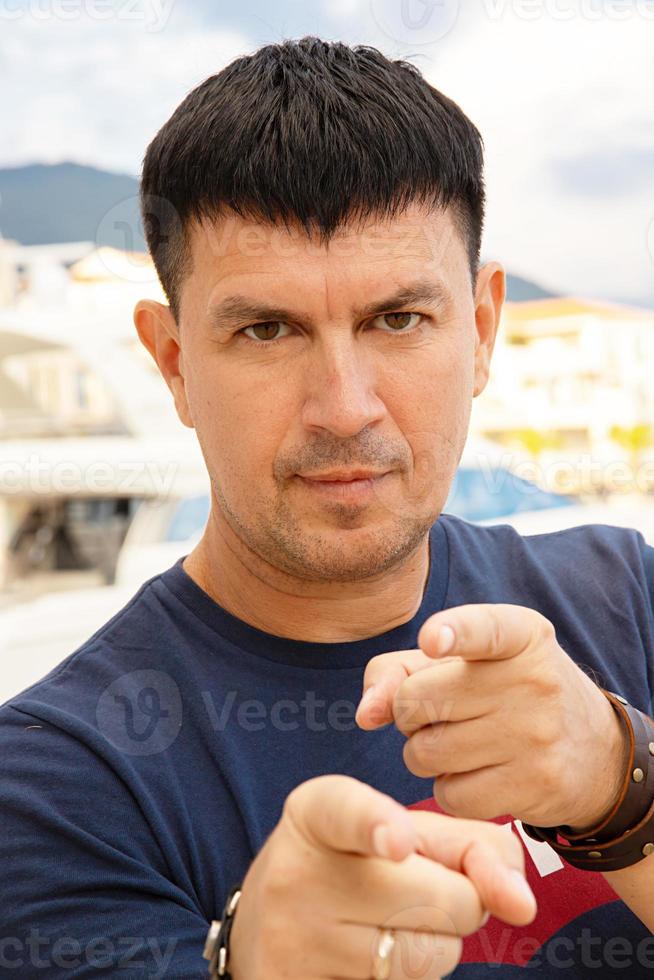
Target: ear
(159,334)
(490,291)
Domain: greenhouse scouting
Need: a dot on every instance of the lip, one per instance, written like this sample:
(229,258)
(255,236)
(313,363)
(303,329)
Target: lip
(345,491)
(336,476)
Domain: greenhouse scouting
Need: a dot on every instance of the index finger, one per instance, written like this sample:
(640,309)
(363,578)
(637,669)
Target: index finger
(383,677)
(492,857)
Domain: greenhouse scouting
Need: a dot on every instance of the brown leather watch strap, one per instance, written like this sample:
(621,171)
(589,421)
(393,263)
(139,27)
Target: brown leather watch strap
(626,850)
(626,835)
(638,786)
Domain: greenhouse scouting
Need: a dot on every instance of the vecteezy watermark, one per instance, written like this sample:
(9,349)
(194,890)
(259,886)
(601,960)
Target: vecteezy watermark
(427,945)
(565,10)
(582,473)
(124,227)
(140,712)
(37,951)
(364,239)
(589,950)
(132,223)
(507,482)
(315,714)
(36,475)
(415,22)
(154,14)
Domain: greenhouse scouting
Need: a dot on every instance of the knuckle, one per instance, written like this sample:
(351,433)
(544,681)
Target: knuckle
(373,666)
(416,758)
(461,800)
(292,802)
(550,682)
(420,747)
(545,733)
(298,798)
(280,880)
(545,630)
(404,710)
(295,801)
(287,864)
(443,796)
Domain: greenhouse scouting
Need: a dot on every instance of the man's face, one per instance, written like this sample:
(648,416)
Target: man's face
(314,382)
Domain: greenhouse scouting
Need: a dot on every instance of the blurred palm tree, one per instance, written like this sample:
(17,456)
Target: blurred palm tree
(536,441)
(633,438)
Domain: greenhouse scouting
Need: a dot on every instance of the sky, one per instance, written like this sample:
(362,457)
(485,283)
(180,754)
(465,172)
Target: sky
(561,90)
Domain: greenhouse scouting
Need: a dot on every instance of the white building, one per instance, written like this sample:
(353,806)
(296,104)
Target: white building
(87,425)
(572,379)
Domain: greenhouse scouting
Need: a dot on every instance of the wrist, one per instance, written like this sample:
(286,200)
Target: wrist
(615,768)
(626,835)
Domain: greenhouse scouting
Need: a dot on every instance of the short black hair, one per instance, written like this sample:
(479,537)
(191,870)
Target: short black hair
(313,132)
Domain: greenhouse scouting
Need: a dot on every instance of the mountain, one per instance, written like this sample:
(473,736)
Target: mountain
(68,202)
(518,290)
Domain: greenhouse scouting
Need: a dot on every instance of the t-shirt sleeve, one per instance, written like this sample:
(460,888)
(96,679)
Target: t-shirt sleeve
(87,888)
(647,552)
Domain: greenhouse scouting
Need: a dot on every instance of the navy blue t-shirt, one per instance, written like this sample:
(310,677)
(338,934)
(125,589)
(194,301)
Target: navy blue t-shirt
(142,775)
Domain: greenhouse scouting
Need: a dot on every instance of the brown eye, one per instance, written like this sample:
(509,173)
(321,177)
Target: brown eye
(264,331)
(400,319)
(399,322)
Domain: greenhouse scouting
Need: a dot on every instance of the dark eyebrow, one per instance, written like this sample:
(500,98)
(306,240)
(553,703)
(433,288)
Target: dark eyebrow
(238,308)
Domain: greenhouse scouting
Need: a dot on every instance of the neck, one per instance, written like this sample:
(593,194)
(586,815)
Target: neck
(317,612)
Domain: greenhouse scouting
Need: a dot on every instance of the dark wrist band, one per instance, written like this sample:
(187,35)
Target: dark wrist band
(637,792)
(216,947)
(626,835)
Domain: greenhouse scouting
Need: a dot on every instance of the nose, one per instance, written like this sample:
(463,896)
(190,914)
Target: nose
(340,387)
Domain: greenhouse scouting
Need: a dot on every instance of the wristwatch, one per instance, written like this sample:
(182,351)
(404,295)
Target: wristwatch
(216,946)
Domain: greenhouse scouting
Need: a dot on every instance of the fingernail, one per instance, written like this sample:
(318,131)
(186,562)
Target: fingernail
(446,638)
(380,841)
(521,886)
(367,698)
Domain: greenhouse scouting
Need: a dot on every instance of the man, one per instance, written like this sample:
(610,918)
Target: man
(315,215)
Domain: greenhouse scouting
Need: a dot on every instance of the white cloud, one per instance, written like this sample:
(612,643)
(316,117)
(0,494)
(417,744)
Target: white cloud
(548,91)
(97,93)
(557,99)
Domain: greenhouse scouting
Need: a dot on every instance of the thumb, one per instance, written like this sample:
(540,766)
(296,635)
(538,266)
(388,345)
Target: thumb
(341,813)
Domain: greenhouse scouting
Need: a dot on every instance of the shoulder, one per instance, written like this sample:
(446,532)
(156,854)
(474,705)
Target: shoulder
(601,542)
(590,560)
(75,684)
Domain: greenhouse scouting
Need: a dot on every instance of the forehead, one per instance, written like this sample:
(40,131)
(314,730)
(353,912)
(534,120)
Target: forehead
(364,254)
